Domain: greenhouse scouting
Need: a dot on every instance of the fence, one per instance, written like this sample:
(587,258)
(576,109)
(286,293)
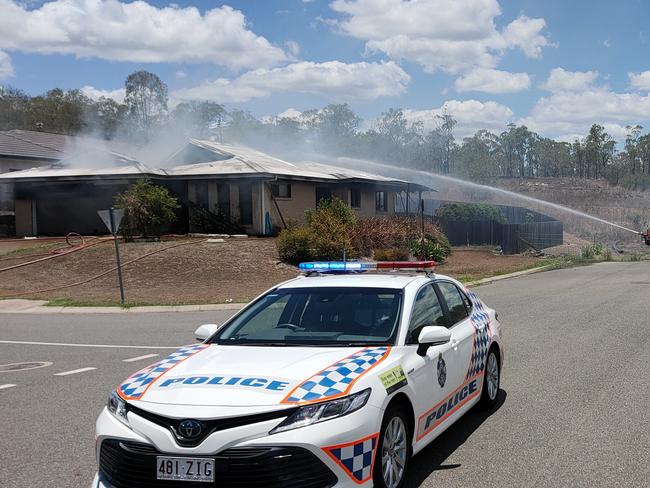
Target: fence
(524,229)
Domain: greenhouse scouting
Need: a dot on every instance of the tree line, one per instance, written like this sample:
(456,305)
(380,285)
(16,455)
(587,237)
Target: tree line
(516,152)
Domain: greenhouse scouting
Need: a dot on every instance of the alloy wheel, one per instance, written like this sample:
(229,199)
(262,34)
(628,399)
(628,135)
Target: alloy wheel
(394,451)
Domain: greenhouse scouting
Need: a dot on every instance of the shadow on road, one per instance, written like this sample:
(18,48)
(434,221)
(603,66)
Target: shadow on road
(432,457)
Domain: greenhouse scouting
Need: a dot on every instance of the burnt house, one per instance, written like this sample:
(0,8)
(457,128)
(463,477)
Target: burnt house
(258,192)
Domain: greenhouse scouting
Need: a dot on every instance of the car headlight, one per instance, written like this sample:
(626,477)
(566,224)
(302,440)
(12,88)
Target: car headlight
(320,412)
(117,407)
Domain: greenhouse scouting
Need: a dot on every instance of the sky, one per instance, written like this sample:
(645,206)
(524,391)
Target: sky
(556,66)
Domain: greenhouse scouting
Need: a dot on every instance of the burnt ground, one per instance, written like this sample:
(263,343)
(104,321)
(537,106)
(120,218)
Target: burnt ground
(193,272)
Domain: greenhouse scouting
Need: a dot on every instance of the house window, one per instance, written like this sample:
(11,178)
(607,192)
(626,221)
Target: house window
(323,193)
(380,201)
(281,190)
(355,198)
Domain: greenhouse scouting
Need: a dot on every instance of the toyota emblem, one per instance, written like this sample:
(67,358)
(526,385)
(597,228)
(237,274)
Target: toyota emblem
(190,429)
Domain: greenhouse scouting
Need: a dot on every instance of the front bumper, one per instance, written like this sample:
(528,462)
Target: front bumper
(316,456)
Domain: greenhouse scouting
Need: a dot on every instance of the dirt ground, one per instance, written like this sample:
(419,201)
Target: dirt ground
(192,272)
(476,263)
(195,272)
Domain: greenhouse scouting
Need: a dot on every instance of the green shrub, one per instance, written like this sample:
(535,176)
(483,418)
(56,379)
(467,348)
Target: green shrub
(425,249)
(468,212)
(295,245)
(391,254)
(435,234)
(148,209)
(332,226)
(587,252)
(598,249)
(607,255)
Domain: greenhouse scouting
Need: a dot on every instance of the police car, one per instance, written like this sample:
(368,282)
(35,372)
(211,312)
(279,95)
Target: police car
(335,378)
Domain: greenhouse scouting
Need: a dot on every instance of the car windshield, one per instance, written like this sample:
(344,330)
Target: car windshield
(317,317)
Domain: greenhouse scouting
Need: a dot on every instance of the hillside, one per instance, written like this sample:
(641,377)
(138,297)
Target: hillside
(598,198)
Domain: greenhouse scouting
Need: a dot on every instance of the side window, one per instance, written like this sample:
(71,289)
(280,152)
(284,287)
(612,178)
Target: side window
(426,311)
(456,301)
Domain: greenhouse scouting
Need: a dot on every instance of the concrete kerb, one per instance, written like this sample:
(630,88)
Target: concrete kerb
(19,306)
(492,279)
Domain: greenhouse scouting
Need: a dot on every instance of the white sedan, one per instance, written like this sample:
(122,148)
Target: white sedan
(325,380)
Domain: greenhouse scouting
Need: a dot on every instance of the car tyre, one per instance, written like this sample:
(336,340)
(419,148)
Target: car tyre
(393,449)
(491,380)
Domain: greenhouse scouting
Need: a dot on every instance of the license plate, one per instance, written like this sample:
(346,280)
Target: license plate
(185,469)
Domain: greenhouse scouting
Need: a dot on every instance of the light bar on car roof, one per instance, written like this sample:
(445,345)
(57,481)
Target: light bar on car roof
(357,266)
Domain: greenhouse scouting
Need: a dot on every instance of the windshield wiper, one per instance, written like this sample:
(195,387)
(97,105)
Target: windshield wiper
(255,343)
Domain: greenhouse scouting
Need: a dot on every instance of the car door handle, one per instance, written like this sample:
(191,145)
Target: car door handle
(454,343)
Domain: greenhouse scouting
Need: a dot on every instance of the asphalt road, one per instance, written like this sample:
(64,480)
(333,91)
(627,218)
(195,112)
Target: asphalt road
(574,410)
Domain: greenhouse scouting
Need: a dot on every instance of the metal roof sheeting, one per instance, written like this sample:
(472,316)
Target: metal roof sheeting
(230,161)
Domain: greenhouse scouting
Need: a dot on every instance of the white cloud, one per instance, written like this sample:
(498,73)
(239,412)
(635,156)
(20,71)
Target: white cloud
(136,32)
(492,81)
(640,81)
(97,93)
(525,33)
(607,43)
(332,79)
(293,47)
(180,74)
(6,68)
(561,80)
(470,115)
(451,35)
(573,112)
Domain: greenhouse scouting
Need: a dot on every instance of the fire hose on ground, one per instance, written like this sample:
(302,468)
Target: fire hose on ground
(55,253)
(92,278)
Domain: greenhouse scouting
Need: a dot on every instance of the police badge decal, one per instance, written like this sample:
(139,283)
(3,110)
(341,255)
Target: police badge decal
(442,371)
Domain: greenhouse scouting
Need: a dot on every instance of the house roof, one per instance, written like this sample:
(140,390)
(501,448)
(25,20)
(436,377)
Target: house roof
(229,161)
(32,145)
(234,160)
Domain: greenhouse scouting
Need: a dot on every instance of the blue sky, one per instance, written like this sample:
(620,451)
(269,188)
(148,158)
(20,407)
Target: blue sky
(555,66)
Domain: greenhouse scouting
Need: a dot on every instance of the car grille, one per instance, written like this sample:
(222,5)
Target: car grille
(209,426)
(133,465)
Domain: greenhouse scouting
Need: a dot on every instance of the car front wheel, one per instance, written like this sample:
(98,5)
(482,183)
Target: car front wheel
(491,380)
(393,450)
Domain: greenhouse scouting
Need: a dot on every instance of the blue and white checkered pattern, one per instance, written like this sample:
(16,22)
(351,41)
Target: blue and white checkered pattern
(357,457)
(134,387)
(337,379)
(482,336)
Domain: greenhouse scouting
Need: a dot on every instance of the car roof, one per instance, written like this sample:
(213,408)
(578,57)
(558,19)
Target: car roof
(367,280)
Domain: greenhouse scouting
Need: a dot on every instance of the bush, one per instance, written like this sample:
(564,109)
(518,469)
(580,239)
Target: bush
(598,249)
(587,252)
(381,233)
(148,209)
(331,226)
(426,249)
(295,245)
(467,212)
(435,234)
(392,254)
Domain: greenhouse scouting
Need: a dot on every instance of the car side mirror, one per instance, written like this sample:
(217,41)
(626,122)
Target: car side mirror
(205,331)
(432,335)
